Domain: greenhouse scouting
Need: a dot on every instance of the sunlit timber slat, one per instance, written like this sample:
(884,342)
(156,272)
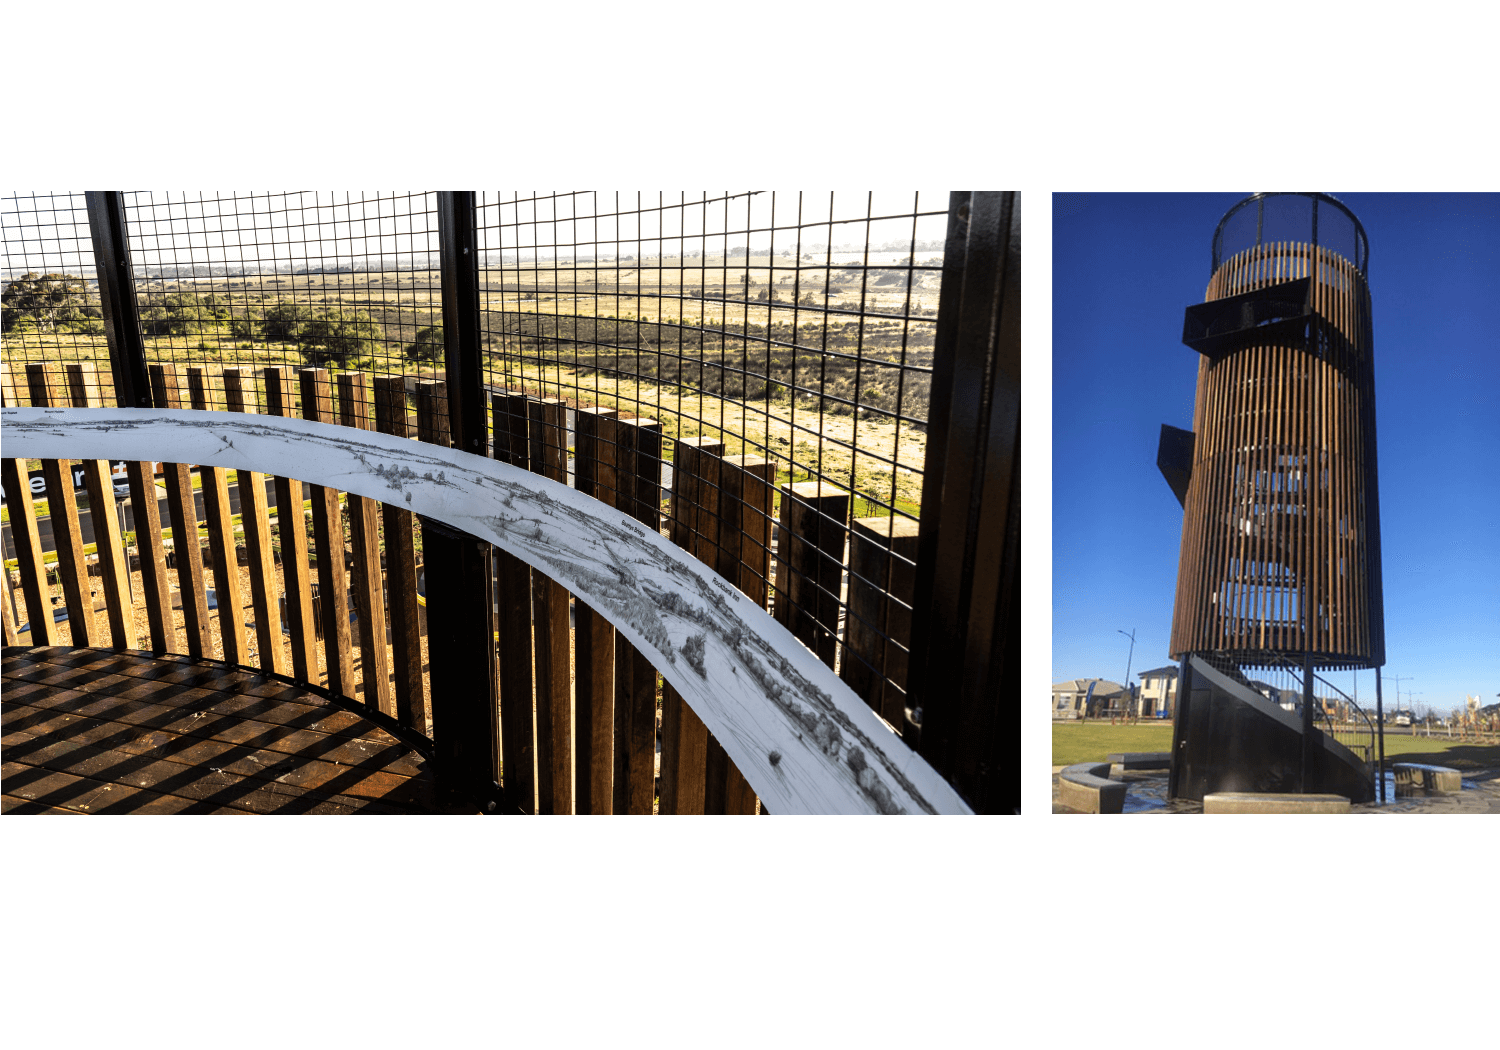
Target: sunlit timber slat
(1281,532)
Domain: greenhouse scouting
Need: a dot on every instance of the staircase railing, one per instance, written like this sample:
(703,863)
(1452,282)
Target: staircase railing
(1357,733)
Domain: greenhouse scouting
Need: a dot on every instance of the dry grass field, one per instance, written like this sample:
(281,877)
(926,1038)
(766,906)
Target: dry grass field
(771,353)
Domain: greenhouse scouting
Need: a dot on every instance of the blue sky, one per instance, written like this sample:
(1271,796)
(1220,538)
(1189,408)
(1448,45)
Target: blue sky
(1125,266)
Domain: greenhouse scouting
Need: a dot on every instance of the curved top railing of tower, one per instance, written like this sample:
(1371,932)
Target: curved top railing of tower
(1312,218)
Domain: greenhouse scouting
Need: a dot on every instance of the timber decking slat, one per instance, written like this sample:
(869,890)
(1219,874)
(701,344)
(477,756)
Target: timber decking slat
(135,719)
(62,740)
(89,750)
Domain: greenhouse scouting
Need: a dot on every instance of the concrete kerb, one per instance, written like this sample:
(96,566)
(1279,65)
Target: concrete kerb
(1480,794)
(1086,787)
(1273,802)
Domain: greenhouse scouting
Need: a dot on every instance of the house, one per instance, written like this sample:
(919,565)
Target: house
(1158,692)
(1073,699)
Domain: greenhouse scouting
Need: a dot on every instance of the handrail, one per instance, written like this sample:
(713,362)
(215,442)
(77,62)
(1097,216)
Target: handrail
(804,741)
(1366,737)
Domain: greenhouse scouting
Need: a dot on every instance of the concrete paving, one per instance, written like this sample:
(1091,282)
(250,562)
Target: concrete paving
(1147,793)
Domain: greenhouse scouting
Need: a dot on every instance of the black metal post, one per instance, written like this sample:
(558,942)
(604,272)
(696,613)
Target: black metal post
(460,655)
(1380,732)
(459,567)
(965,652)
(1308,740)
(458,251)
(122,325)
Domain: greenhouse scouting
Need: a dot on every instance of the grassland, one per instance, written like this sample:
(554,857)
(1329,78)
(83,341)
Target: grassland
(1096,741)
(746,349)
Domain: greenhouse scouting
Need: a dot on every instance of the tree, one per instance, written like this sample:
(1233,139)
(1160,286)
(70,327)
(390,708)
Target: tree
(283,322)
(335,336)
(183,313)
(45,302)
(428,345)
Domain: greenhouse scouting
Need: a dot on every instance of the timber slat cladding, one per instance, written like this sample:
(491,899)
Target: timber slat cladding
(554,701)
(593,635)
(720,512)
(67,533)
(685,739)
(401,570)
(882,583)
(1281,533)
(26,536)
(87,731)
(296,569)
(114,574)
(638,477)
(255,516)
(328,537)
(810,561)
(182,509)
(364,531)
(518,728)
(216,510)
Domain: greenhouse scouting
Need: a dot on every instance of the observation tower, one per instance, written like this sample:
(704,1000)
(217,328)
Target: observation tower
(1279,571)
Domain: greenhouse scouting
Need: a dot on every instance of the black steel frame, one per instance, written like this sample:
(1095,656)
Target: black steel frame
(966,614)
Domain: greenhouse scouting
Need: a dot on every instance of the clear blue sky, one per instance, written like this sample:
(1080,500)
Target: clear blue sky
(1125,266)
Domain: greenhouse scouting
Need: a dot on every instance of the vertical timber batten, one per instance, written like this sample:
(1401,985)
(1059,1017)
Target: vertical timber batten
(1281,534)
(1279,560)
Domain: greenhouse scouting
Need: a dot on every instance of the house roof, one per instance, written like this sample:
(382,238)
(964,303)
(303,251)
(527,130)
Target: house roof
(1081,685)
(1170,671)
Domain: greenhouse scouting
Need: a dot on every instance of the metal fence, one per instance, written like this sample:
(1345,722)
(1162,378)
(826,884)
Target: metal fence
(793,328)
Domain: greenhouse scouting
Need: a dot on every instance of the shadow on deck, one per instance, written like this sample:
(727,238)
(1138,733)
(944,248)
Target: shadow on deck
(105,731)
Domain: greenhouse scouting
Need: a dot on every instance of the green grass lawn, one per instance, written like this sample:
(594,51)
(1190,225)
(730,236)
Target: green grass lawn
(1096,741)
(1466,755)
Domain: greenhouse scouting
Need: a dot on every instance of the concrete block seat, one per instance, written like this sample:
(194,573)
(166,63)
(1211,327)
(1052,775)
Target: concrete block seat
(1273,802)
(1086,787)
(1133,760)
(1414,778)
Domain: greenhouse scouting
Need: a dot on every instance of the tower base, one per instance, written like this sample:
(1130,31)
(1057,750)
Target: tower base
(1227,737)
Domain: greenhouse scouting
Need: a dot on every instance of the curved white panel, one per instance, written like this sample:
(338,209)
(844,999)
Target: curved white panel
(803,740)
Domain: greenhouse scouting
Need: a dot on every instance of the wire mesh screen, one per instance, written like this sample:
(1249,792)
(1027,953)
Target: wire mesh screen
(52,318)
(791,329)
(782,342)
(344,280)
(51,293)
(1307,218)
(347,281)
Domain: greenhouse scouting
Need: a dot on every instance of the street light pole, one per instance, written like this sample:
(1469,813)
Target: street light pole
(1128,660)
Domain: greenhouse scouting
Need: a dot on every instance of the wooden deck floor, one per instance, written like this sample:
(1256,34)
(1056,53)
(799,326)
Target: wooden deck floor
(103,731)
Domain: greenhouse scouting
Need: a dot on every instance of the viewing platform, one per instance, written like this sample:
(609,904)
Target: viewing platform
(388,557)
(101,731)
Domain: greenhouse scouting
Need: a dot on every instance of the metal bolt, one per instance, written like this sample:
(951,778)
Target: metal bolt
(914,715)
